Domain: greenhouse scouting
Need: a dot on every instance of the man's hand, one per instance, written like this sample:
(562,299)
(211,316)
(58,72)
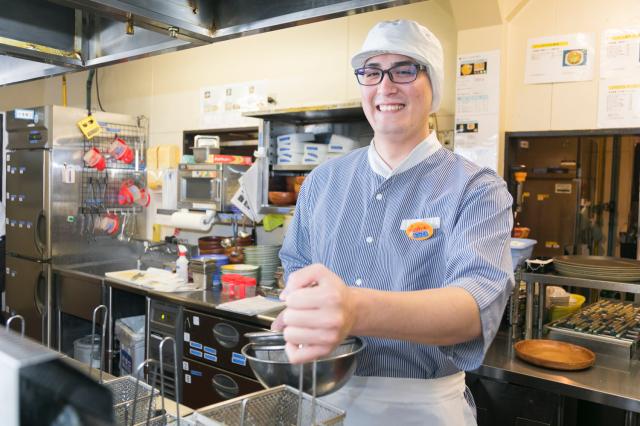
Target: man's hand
(320,313)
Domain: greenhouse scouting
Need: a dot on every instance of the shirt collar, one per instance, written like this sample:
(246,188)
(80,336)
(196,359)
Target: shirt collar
(420,153)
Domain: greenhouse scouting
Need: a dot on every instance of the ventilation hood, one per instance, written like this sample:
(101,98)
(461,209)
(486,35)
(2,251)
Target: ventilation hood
(40,38)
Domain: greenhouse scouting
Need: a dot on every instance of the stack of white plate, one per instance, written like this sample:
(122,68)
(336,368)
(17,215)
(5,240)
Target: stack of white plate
(267,258)
(598,268)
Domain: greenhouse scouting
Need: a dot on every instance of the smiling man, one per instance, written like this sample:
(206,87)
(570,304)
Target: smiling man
(402,243)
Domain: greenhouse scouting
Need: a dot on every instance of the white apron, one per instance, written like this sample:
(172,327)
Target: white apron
(396,401)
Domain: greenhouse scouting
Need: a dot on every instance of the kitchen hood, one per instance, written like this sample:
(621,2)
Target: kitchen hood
(40,38)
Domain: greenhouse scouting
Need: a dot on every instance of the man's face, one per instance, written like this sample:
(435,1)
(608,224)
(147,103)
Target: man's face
(397,110)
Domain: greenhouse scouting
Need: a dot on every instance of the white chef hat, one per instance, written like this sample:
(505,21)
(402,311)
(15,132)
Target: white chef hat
(407,38)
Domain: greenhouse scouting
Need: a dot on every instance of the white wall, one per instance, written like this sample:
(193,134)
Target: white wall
(302,65)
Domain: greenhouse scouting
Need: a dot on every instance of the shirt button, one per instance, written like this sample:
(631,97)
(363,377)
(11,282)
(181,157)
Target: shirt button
(369,240)
(378,197)
(358,282)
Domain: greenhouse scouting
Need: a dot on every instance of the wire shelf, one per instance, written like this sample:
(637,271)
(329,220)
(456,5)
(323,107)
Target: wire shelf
(100,189)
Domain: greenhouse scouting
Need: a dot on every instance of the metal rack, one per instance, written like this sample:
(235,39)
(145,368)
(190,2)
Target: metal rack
(99,189)
(536,291)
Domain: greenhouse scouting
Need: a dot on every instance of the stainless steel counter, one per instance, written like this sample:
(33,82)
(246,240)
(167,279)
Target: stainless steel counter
(611,381)
(205,301)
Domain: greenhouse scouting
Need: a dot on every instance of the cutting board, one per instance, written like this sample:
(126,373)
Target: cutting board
(554,354)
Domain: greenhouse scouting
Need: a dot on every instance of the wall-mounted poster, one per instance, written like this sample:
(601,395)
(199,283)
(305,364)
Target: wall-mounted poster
(222,106)
(477,107)
(619,88)
(561,58)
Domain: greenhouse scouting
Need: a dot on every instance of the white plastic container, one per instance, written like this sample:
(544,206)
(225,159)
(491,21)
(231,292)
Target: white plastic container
(182,265)
(130,333)
(82,350)
(521,249)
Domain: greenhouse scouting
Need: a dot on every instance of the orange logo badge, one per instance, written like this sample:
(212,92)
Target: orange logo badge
(419,231)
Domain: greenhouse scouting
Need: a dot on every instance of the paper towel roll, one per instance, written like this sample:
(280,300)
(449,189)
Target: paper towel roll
(185,219)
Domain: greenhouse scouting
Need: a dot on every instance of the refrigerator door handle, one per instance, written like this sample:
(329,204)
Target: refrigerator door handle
(40,305)
(40,245)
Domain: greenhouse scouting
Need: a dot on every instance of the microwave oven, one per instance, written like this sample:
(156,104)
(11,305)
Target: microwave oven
(208,186)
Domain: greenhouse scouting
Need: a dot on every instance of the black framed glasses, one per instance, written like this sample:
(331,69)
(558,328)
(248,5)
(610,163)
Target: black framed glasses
(401,74)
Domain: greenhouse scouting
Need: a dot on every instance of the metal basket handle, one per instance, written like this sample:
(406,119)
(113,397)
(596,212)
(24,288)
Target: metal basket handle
(175,375)
(102,339)
(16,317)
(145,363)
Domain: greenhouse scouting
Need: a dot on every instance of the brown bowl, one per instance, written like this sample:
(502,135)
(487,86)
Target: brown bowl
(282,198)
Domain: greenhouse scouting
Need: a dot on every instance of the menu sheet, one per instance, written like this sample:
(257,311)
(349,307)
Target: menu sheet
(222,106)
(477,107)
(619,88)
(560,58)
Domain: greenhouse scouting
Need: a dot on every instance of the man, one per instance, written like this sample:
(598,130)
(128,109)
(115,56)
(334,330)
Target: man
(403,243)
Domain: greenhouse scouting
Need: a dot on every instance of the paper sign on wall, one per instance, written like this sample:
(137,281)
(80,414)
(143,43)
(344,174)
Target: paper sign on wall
(619,86)
(222,106)
(477,107)
(561,58)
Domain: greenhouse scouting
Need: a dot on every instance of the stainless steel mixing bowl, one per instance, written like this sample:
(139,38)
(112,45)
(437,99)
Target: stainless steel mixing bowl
(271,366)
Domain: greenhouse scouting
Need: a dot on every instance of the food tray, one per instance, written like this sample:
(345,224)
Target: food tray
(555,355)
(608,326)
(274,406)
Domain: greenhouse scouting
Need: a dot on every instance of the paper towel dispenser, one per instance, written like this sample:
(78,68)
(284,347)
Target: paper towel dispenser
(208,186)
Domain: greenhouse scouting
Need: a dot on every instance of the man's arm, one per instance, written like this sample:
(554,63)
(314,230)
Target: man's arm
(322,310)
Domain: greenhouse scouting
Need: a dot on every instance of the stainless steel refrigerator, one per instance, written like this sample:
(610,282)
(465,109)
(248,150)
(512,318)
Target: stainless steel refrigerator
(44,164)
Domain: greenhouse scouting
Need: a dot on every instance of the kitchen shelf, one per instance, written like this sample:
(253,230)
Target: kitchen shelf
(272,209)
(581,282)
(239,143)
(536,324)
(294,167)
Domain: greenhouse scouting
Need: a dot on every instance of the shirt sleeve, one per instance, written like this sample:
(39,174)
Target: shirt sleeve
(479,261)
(296,249)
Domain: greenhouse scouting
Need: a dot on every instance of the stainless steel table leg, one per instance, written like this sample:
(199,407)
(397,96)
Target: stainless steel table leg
(110,331)
(542,290)
(528,322)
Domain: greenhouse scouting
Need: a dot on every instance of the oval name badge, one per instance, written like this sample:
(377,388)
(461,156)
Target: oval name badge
(419,231)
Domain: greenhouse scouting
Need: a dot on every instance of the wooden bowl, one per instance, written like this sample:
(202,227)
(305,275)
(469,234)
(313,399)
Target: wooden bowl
(554,354)
(282,198)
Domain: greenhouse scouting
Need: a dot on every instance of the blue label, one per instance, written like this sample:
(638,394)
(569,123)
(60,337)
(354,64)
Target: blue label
(195,345)
(195,353)
(126,363)
(239,359)
(210,350)
(284,138)
(196,373)
(210,357)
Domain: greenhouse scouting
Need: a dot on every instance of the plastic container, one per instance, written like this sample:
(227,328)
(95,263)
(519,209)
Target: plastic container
(130,333)
(182,264)
(82,350)
(220,260)
(521,249)
(575,303)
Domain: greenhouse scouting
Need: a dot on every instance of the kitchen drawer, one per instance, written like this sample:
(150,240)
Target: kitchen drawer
(217,341)
(204,385)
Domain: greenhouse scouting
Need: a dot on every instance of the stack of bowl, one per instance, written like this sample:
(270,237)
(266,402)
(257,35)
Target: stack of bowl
(267,258)
(210,245)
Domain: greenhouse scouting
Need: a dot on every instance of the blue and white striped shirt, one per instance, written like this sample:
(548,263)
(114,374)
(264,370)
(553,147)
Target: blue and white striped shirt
(349,216)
